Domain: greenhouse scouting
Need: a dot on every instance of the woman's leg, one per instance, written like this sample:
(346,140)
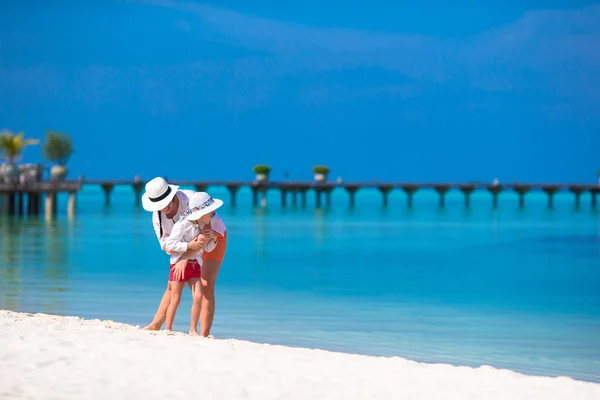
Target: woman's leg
(210,270)
(176,289)
(211,264)
(161,313)
(196,305)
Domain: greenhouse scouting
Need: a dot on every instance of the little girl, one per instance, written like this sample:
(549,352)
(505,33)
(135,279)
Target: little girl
(187,234)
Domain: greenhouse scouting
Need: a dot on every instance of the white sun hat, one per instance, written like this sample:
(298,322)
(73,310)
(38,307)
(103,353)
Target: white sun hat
(158,194)
(200,204)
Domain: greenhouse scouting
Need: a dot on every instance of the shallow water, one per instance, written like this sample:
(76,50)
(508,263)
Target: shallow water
(511,288)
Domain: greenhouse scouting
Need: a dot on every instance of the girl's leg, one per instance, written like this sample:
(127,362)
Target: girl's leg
(176,289)
(196,287)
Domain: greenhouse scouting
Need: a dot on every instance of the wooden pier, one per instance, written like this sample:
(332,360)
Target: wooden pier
(31,198)
(322,190)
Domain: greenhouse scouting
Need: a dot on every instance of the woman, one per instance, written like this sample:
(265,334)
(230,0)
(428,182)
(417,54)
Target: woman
(167,203)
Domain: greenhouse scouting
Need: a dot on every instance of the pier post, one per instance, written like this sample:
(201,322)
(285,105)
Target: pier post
(21,204)
(50,209)
(495,191)
(522,191)
(594,192)
(71,204)
(25,200)
(107,188)
(254,197)
(12,200)
(577,190)
(31,203)
(467,190)
(550,190)
(200,188)
(5,203)
(442,190)
(328,195)
(385,191)
(284,192)
(263,199)
(233,189)
(410,191)
(35,200)
(318,192)
(259,189)
(137,186)
(38,202)
(294,196)
(352,189)
(303,191)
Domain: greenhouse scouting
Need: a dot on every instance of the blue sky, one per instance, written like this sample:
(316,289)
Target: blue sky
(396,91)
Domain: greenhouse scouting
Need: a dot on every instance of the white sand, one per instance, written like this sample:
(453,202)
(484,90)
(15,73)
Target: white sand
(50,357)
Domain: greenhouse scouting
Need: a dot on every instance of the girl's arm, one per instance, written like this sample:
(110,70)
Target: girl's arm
(175,242)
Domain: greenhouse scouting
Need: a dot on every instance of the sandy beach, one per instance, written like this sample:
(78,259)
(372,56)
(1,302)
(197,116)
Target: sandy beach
(51,357)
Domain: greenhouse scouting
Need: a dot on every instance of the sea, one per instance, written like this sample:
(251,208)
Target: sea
(508,287)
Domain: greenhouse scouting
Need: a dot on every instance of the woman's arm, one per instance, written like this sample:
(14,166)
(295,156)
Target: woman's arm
(174,242)
(210,245)
(188,255)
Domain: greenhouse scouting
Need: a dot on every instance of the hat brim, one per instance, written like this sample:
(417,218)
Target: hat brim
(150,205)
(197,214)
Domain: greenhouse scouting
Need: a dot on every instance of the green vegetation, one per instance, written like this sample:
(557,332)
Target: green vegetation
(57,147)
(12,145)
(262,169)
(321,169)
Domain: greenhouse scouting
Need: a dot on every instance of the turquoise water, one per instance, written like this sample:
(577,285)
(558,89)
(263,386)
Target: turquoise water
(512,288)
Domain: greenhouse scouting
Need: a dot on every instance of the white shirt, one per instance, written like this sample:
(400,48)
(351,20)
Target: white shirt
(183,232)
(167,223)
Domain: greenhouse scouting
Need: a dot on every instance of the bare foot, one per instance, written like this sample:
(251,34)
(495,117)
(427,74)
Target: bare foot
(152,328)
(194,333)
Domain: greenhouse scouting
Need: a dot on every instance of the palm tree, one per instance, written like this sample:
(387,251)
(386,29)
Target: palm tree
(12,145)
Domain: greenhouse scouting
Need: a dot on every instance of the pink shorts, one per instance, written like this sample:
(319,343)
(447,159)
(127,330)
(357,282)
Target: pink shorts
(192,271)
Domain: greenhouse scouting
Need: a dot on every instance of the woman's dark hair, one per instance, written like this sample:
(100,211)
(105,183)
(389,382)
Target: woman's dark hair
(160,223)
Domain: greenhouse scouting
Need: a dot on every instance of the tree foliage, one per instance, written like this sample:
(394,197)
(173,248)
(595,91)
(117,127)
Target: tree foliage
(57,147)
(12,144)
